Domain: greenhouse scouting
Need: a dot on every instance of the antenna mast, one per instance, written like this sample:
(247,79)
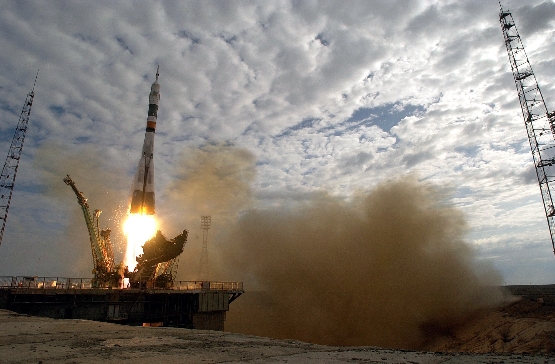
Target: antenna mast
(538,120)
(9,171)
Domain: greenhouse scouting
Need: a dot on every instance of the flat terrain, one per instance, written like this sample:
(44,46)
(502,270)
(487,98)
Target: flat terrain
(26,339)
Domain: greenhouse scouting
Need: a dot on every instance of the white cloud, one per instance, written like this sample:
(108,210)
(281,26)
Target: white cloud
(327,95)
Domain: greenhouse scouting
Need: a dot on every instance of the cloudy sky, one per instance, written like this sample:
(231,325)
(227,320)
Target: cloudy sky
(334,96)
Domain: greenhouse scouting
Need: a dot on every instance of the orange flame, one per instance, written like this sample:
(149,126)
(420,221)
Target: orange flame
(138,228)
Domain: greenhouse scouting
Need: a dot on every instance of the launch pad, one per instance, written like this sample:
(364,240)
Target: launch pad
(188,304)
(141,290)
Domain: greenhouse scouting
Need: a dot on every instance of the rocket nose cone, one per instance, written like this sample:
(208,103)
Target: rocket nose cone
(157,74)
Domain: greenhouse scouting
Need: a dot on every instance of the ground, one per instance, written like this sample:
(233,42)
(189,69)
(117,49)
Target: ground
(26,339)
(525,326)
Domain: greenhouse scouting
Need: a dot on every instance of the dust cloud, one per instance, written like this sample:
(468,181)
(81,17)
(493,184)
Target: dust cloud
(389,268)
(214,180)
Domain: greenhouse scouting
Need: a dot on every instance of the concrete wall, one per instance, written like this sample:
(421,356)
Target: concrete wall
(213,301)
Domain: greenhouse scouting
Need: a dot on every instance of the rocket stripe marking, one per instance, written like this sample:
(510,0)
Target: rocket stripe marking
(152,110)
(151,125)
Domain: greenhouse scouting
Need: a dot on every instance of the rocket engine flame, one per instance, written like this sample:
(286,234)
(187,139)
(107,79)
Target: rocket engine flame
(138,228)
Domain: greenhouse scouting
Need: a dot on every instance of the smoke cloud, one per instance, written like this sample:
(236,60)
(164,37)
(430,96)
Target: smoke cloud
(390,268)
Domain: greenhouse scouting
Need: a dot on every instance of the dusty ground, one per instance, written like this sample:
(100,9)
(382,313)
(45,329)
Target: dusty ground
(25,339)
(526,326)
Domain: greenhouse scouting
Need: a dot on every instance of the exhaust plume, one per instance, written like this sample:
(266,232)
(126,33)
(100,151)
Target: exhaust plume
(390,268)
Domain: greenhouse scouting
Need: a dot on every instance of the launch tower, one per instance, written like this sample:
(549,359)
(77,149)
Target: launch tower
(538,120)
(152,297)
(106,273)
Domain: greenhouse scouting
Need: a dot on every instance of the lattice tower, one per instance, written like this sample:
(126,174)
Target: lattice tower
(9,171)
(204,269)
(538,121)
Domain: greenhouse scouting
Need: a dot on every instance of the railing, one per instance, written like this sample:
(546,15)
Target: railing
(45,282)
(86,283)
(207,285)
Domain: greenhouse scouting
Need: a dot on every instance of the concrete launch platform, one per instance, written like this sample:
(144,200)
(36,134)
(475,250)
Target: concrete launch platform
(188,304)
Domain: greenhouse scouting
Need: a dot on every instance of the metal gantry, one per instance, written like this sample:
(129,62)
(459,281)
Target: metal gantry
(538,120)
(204,269)
(9,171)
(102,251)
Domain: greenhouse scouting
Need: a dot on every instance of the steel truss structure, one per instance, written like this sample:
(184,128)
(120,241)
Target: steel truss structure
(538,120)
(9,171)
(204,268)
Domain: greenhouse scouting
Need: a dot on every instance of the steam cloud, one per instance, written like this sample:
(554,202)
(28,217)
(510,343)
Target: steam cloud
(389,268)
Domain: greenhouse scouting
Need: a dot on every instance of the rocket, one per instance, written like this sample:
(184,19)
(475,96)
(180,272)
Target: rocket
(142,200)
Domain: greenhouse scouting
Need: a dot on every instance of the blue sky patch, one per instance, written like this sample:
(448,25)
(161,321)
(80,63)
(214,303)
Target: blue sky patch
(385,117)
(305,124)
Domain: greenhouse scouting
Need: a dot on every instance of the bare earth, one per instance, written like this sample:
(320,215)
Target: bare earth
(526,326)
(25,339)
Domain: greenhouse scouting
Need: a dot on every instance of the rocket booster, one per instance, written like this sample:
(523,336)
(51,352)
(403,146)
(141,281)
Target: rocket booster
(142,200)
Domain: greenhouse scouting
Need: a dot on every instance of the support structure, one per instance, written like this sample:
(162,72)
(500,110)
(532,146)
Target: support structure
(204,269)
(188,304)
(538,121)
(9,171)
(105,272)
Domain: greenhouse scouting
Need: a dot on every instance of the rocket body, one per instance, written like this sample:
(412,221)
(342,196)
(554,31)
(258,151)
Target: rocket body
(142,199)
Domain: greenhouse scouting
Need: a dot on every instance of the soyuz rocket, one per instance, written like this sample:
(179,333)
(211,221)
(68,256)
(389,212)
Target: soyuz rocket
(142,199)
